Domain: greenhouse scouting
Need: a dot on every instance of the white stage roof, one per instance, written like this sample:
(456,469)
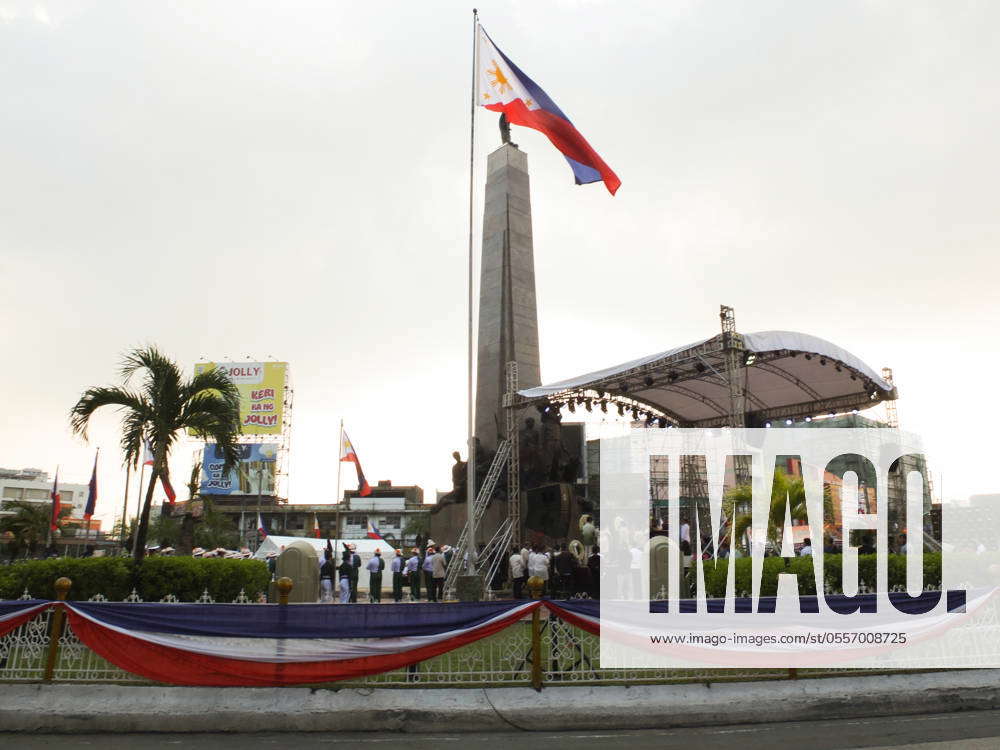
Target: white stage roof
(784,374)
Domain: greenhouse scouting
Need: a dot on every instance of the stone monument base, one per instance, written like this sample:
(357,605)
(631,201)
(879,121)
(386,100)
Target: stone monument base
(469,588)
(447,522)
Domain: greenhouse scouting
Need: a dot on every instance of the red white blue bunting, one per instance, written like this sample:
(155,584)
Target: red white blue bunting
(15,614)
(279,645)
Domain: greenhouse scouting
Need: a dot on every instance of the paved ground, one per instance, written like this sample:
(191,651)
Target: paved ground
(976,730)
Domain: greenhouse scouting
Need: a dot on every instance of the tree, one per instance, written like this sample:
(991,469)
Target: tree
(784,488)
(129,531)
(30,523)
(216,529)
(165,531)
(159,411)
(194,481)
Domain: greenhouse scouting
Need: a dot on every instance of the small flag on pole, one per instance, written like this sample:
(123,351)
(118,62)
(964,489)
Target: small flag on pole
(92,492)
(348,454)
(501,86)
(56,507)
(373,531)
(148,459)
(261,529)
(315,525)
(168,488)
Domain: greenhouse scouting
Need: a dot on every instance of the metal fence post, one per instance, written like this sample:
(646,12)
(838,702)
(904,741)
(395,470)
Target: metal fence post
(284,588)
(56,630)
(536,585)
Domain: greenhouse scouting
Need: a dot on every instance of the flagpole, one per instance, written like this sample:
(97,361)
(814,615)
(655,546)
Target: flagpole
(128,477)
(142,475)
(470,466)
(340,449)
(50,538)
(94,490)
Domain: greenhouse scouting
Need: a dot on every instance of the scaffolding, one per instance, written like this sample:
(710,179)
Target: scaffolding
(464,546)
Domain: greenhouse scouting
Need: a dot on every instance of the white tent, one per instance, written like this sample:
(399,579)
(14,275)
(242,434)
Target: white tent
(364,547)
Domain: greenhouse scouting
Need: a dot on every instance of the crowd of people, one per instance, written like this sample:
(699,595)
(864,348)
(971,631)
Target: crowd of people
(567,570)
(565,573)
(416,576)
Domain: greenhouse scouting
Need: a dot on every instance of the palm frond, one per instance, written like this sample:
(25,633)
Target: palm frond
(134,429)
(212,382)
(151,359)
(95,398)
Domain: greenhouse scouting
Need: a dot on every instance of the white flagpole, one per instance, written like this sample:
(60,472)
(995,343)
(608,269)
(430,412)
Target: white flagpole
(470,472)
(340,448)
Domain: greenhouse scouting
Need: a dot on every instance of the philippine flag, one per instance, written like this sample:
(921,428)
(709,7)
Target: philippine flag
(260,526)
(373,532)
(347,453)
(168,489)
(91,492)
(503,87)
(148,459)
(56,507)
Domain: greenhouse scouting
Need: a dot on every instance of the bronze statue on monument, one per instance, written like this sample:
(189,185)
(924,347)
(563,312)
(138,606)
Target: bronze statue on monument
(505,130)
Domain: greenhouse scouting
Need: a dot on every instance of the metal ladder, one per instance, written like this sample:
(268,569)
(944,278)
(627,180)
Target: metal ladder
(458,562)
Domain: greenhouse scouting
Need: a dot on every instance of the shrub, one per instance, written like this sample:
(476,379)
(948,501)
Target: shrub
(716,573)
(115,577)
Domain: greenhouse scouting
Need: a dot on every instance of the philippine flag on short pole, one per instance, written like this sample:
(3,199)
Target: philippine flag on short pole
(503,87)
(347,453)
(148,459)
(54,521)
(316,530)
(260,526)
(91,492)
(373,531)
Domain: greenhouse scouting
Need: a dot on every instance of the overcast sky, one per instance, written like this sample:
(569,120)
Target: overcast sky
(290,180)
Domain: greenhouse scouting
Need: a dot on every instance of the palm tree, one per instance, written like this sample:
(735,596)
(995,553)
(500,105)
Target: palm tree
(164,406)
(30,523)
(784,487)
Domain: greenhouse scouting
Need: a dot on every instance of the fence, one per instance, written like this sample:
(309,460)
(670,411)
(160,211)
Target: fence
(567,655)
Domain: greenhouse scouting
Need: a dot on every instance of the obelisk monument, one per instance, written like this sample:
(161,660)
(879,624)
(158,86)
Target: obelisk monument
(508,315)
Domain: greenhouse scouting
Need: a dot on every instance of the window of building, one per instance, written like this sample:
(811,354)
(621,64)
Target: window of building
(356,520)
(393,520)
(13,493)
(36,494)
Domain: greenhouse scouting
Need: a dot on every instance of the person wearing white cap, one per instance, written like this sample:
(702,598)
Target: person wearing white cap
(427,565)
(356,564)
(413,573)
(375,567)
(396,566)
(326,575)
(344,571)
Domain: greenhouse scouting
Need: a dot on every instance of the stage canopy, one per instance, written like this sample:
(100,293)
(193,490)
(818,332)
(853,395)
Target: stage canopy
(783,374)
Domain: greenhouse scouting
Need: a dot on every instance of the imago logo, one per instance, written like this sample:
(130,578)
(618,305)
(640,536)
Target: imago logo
(780,548)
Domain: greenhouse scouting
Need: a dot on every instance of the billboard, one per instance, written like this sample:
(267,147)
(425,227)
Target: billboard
(256,466)
(262,393)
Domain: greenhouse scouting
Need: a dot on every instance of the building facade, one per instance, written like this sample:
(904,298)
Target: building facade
(390,508)
(35,486)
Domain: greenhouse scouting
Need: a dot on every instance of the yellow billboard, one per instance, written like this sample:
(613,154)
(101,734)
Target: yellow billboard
(262,393)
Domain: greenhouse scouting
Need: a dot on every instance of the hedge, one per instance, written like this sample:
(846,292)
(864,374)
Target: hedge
(115,577)
(716,573)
